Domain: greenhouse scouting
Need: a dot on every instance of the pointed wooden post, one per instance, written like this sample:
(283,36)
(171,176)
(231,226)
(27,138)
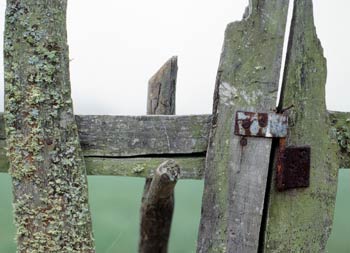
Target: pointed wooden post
(236,170)
(300,220)
(158,197)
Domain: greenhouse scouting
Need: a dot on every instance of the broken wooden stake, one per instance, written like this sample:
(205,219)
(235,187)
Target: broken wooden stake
(157,208)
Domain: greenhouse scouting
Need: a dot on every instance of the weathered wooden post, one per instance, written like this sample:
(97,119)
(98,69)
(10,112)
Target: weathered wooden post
(300,220)
(237,168)
(46,162)
(158,197)
(244,210)
(235,217)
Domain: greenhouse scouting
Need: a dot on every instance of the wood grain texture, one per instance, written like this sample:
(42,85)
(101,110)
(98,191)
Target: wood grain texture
(143,135)
(157,208)
(300,220)
(161,89)
(235,175)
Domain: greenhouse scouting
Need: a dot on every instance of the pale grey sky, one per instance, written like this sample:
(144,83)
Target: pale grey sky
(116,46)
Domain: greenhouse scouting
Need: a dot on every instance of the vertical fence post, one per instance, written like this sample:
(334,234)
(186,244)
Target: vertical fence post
(158,197)
(300,220)
(46,162)
(237,169)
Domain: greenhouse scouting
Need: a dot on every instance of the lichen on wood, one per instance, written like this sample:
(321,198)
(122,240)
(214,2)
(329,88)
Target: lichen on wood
(46,162)
(300,220)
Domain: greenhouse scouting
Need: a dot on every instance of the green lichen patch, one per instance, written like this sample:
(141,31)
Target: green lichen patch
(46,162)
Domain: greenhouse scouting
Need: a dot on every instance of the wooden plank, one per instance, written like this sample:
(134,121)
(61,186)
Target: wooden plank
(143,135)
(191,167)
(236,175)
(140,135)
(300,220)
(340,133)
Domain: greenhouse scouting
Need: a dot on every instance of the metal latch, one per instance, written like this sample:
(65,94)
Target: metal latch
(293,162)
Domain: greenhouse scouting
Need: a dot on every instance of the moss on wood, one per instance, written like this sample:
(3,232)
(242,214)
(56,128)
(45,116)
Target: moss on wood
(46,163)
(300,220)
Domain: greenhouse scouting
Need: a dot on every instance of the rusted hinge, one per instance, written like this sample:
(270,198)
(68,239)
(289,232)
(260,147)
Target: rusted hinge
(293,162)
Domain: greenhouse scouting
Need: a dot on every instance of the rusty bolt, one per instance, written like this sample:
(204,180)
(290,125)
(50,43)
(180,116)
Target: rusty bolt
(246,123)
(262,119)
(243,142)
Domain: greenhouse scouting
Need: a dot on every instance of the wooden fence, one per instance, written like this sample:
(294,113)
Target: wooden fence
(242,209)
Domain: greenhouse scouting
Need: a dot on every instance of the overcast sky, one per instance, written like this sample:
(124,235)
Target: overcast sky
(116,46)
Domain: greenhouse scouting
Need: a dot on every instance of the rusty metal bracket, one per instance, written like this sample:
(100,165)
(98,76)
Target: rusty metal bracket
(293,166)
(261,124)
(293,163)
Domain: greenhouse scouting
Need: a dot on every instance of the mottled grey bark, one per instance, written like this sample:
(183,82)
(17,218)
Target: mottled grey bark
(236,174)
(46,162)
(300,220)
(157,211)
(157,208)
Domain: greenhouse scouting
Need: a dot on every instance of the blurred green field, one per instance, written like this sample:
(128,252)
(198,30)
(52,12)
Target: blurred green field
(115,204)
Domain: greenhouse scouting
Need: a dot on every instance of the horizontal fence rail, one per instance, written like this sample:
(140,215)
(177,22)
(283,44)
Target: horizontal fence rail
(135,145)
(132,145)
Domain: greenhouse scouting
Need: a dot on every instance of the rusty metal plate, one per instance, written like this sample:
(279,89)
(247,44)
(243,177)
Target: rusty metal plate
(261,124)
(293,168)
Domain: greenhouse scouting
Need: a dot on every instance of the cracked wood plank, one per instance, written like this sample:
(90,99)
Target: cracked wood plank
(143,135)
(300,220)
(235,175)
(118,136)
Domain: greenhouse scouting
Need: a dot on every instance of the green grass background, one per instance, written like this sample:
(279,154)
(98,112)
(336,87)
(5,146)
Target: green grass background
(115,204)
